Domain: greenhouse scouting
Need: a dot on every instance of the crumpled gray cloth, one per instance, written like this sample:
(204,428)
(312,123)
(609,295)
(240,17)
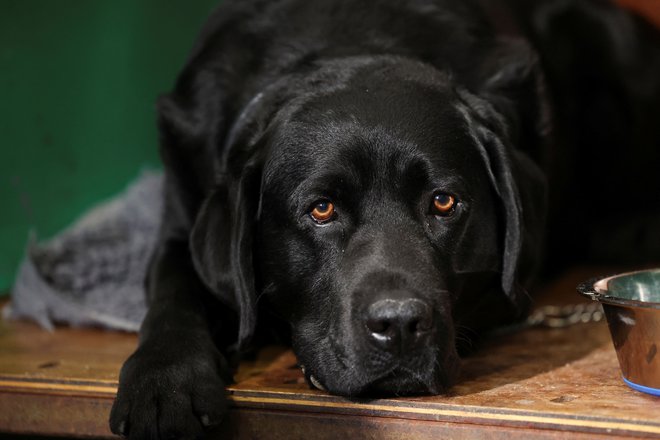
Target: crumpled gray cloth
(92,274)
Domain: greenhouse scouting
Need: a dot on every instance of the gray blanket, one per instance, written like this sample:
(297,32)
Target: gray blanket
(92,274)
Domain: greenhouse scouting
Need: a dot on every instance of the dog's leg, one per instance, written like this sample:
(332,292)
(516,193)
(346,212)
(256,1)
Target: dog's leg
(173,385)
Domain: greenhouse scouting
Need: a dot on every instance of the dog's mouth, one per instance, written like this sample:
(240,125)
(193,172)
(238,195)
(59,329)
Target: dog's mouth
(398,381)
(402,382)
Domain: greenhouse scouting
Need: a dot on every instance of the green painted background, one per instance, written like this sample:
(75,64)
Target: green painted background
(78,81)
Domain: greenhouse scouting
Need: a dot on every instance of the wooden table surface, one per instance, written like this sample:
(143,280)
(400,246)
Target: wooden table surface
(549,383)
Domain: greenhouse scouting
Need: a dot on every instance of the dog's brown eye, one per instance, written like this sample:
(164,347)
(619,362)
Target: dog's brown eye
(323,211)
(443,204)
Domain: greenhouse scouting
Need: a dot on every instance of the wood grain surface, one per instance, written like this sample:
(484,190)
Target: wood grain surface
(550,383)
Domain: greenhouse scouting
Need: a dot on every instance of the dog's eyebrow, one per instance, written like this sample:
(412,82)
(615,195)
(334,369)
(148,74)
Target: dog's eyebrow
(333,184)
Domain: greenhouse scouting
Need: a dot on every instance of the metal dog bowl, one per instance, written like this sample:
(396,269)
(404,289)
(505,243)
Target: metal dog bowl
(631,302)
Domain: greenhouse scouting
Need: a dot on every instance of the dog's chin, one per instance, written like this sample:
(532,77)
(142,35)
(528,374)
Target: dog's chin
(402,383)
(335,377)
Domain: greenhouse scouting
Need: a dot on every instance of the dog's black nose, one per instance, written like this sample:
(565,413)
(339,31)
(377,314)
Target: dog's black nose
(395,324)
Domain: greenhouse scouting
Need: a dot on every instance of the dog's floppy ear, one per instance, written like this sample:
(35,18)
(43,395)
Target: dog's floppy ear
(221,245)
(511,128)
(520,186)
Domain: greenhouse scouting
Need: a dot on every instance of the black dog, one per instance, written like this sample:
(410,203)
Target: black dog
(364,178)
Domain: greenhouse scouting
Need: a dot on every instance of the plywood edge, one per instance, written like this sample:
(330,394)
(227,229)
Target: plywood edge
(18,384)
(442,412)
(326,404)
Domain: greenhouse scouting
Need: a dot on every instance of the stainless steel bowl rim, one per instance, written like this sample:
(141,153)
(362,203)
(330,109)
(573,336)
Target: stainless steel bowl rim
(588,289)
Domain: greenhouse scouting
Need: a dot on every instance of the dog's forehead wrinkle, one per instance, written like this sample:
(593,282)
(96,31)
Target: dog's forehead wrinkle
(358,172)
(383,155)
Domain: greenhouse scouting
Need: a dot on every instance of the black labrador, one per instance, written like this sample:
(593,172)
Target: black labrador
(366,180)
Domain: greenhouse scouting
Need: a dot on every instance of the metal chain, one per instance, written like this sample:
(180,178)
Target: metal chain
(565,316)
(556,317)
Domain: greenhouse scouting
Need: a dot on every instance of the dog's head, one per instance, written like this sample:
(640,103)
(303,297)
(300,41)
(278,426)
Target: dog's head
(379,208)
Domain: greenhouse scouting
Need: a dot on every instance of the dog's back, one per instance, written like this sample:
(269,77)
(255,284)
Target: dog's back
(602,70)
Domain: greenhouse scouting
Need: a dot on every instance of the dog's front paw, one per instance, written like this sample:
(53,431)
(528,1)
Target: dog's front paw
(170,391)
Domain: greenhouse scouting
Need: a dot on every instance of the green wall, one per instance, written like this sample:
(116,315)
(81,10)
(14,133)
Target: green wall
(78,81)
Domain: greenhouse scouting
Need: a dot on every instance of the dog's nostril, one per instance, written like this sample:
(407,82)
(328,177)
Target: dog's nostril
(379,326)
(421,324)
